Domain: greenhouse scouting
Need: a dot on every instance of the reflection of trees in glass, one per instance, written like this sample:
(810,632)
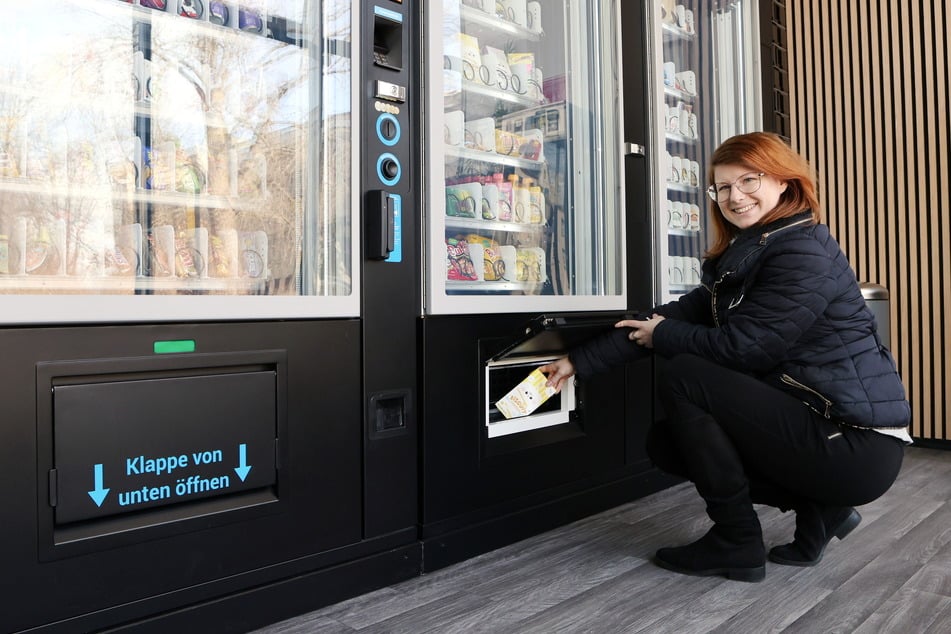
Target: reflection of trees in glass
(65,104)
(262,126)
(253,141)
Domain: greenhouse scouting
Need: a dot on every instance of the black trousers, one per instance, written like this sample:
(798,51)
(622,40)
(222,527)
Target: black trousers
(726,430)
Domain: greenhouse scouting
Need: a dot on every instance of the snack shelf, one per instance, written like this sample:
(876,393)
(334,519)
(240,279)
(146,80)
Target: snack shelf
(493,287)
(485,25)
(137,195)
(462,153)
(672,32)
(680,187)
(682,95)
(687,233)
(475,224)
(680,138)
(105,285)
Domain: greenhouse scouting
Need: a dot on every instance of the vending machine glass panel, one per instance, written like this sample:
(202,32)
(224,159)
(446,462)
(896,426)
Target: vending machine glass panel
(524,180)
(176,160)
(707,72)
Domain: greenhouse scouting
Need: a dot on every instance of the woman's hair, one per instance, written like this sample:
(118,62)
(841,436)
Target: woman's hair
(768,153)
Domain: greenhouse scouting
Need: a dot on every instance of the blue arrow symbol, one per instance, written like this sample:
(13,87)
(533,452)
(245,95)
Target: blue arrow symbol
(242,468)
(98,494)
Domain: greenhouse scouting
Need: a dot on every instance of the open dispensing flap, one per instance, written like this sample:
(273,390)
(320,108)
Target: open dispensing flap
(555,335)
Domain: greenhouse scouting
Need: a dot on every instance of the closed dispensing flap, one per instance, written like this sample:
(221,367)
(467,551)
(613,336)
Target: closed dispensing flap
(555,335)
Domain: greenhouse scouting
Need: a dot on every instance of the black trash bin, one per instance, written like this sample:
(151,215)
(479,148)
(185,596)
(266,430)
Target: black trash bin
(876,298)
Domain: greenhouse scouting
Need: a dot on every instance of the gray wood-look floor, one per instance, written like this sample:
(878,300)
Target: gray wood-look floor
(892,574)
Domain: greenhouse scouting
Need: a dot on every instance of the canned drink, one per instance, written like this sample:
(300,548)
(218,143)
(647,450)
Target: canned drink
(250,20)
(154,4)
(191,9)
(218,13)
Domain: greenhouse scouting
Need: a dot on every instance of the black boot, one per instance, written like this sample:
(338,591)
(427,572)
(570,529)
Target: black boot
(733,548)
(815,527)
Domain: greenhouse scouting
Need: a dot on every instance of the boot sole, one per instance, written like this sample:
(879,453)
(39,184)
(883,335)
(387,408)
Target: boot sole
(845,527)
(749,575)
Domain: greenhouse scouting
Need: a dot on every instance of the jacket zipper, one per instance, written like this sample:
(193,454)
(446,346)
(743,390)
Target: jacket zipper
(762,242)
(763,237)
(788,380)
(713,297)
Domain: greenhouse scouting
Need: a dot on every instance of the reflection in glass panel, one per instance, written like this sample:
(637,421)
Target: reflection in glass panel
(175,152)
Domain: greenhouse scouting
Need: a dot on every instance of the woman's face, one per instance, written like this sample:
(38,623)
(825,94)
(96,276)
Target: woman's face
(742,201)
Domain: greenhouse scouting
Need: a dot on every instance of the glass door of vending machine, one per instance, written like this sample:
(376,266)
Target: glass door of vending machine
(176,160)
(707,71)
(525,206)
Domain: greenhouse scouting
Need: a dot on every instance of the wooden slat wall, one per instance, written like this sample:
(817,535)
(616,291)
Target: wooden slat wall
(869,84)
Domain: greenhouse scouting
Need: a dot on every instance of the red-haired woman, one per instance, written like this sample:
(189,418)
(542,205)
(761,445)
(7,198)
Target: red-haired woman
(776,387)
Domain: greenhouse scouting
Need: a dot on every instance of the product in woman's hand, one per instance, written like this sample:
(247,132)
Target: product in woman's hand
(525,397)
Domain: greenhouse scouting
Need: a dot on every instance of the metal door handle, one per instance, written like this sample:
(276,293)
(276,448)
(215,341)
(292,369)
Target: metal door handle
(635,149)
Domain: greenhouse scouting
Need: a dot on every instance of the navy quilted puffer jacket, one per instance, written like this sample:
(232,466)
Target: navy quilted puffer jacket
(783,304)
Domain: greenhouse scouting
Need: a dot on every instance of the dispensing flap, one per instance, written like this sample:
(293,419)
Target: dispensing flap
(556,334)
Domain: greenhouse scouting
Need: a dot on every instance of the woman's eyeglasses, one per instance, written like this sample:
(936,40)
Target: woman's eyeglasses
(747,184)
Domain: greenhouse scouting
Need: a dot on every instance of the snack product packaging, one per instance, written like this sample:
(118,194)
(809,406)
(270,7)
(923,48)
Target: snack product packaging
(460,265)
(525,397)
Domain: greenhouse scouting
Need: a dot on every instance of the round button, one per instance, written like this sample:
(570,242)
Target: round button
(390,168)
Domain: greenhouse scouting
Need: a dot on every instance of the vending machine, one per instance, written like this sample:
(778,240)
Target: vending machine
(709,90)
(527,253)
(201,218)
(565,190)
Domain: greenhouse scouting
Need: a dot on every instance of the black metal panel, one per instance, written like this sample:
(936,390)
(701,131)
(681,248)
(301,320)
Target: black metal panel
(637,129)
(246,611)
(481,493)
(142,569)
(139,443)
(469,477)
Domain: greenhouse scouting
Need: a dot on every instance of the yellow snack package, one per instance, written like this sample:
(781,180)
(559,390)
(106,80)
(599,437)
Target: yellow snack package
(525,397)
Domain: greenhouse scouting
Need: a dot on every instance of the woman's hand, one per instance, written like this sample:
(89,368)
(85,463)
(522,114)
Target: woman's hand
(558,372)
(642,332)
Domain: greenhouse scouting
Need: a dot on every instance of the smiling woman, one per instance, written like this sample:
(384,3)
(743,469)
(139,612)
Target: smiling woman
(786,187)
(769,364)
